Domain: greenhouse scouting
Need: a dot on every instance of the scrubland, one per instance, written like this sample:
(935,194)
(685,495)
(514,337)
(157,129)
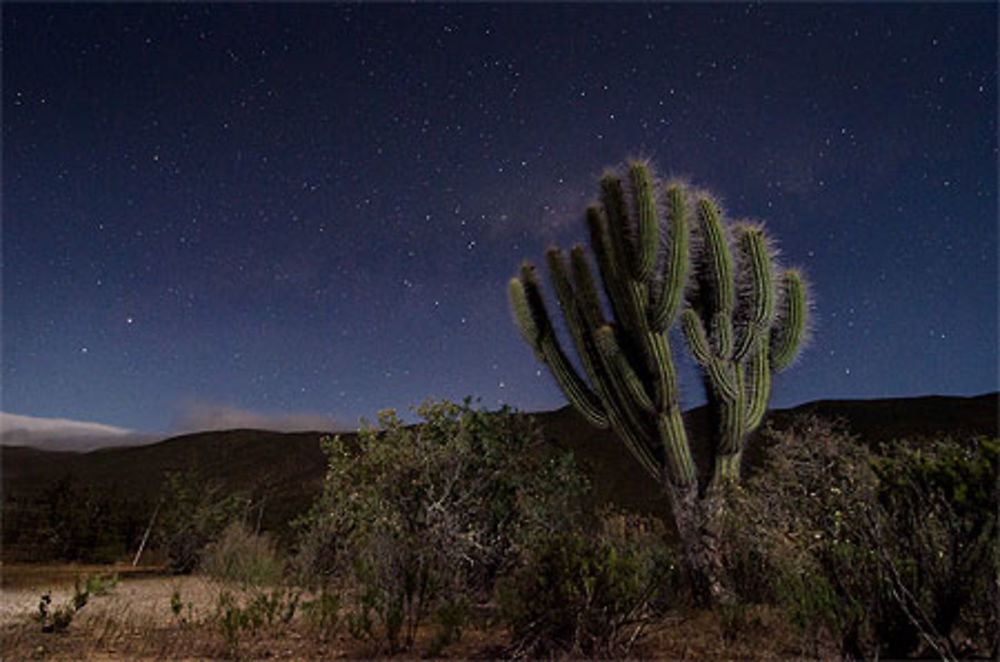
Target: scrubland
(468,536)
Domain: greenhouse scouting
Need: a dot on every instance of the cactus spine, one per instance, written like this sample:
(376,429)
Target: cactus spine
(663,252)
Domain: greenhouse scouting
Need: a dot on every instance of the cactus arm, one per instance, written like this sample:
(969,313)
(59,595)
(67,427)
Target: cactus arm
(648,224)
(632,442)
(733,417)
(718,258)
(620,231)
(572,307)
(675,263)
(694,333)
(787,336)
(727,469)
(547,346)
(611,269)
(572,386)
(612,353)
(583,284)
(758,384)
(759,288)
(521,312)
(663,370)
(721,335)
(680,464)
(717,279)
(625,414)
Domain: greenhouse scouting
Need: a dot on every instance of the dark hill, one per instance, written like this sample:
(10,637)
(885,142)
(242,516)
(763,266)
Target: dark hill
(285,470)
(872,421)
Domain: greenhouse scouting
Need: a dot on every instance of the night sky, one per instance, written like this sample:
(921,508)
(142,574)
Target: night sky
(313,210)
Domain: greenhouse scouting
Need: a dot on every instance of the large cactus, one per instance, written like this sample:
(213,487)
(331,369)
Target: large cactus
(663,252)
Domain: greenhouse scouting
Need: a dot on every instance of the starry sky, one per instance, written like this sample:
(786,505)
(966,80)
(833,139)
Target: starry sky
(312,210)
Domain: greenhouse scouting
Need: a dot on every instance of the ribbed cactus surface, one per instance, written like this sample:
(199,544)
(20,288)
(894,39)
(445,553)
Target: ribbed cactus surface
(665,252)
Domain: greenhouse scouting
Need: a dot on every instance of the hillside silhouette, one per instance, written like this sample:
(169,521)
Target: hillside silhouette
(284,471)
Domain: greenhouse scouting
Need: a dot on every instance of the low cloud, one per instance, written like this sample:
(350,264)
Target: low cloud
(201,417)
(62,434)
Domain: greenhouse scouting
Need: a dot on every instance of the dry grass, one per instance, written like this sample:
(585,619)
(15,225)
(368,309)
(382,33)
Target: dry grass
(135,622)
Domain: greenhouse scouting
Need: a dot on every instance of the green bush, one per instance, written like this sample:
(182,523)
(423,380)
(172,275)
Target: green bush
(584,594)
(414,517)
(892,554)
(795,534)
(240,555)
(937,544)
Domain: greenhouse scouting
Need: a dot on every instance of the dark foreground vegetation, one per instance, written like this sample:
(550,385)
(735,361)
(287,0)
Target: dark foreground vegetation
(472,535)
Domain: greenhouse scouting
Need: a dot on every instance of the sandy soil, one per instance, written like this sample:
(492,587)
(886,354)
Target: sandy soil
(134,621)
(142,600)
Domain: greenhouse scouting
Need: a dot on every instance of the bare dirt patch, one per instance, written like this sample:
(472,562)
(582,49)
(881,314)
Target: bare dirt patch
(135,621)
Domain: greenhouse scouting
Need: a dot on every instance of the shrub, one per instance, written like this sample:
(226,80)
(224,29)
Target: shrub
(892,553)
(937,543)
(195,511)
(580,594)
(417,516)
(794,533)
(239,555)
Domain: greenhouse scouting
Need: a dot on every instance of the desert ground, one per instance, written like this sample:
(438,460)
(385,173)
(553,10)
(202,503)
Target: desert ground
(134,621)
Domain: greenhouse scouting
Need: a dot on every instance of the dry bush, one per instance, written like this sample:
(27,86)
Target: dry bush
(242,556)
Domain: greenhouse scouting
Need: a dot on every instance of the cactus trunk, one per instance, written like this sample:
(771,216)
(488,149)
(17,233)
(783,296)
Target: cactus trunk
(699,529)
(664,253)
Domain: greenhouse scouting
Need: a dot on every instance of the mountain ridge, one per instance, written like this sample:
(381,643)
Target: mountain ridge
(285,470)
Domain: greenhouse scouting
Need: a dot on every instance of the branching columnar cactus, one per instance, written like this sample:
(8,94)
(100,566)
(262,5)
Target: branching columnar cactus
(663,253)
(631,383)
(743,322)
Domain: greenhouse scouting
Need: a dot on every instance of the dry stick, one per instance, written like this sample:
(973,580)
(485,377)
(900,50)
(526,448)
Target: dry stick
(145,536)
(904,598)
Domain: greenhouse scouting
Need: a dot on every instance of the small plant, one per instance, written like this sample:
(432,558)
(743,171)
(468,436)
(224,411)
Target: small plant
(97,585)
(323,613)
(277,605)
(80,595)
(177,607)
(175,602)
(451,618)
(57,620)
(231,620)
